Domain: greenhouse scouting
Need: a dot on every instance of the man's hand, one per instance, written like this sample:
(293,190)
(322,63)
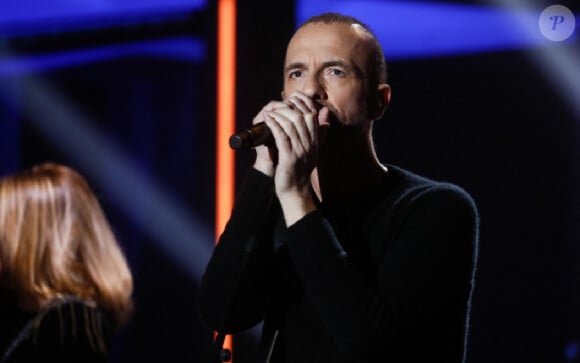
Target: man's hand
(294,126)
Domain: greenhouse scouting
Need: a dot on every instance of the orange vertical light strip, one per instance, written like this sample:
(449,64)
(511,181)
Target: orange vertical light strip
(226,85)
(226,96)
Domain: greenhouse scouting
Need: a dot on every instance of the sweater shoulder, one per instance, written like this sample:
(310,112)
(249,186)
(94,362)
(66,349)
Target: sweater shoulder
(410,188)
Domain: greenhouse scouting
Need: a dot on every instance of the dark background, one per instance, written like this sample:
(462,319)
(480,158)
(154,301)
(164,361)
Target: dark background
(500,124)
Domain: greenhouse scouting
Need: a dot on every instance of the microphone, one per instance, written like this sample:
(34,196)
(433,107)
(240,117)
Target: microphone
(258,134)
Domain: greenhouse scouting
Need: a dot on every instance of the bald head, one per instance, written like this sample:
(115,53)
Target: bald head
(379,66)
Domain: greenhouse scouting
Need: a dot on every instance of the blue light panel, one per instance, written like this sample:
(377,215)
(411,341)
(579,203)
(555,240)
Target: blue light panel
(29,17)
(409,29)
(178,48)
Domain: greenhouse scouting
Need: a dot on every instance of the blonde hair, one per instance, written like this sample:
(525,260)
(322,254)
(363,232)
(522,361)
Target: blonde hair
(55,241)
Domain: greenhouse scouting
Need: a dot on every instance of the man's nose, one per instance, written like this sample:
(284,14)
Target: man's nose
(313,87)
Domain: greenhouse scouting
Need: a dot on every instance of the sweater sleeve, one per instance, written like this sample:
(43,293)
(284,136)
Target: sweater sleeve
(231,295)
(423,278)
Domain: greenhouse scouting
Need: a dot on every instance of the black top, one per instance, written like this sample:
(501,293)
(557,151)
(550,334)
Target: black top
(65,331)
(388,278)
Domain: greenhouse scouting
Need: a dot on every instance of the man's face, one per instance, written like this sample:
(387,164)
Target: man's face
(329,63)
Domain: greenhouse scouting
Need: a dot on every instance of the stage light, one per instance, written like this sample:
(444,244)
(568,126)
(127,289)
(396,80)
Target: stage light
(138,195)
(411,30)
(178,48)
(31,17)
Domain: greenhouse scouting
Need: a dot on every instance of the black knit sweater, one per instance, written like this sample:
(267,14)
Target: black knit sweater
(388,278)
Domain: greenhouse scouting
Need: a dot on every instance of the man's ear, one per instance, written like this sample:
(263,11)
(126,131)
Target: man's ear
(383,97)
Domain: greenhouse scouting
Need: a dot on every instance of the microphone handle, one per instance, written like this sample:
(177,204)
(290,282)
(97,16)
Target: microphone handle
(258,134)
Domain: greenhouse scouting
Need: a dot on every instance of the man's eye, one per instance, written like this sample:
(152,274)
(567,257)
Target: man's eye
(295,74)
(336,72)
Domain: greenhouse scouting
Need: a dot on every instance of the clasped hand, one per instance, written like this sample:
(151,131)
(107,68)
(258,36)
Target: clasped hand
(294,125)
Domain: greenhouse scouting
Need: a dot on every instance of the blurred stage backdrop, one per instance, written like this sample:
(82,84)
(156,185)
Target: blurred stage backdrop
(486,94)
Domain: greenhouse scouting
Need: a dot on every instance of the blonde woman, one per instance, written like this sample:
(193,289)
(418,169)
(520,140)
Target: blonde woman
(65,285)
